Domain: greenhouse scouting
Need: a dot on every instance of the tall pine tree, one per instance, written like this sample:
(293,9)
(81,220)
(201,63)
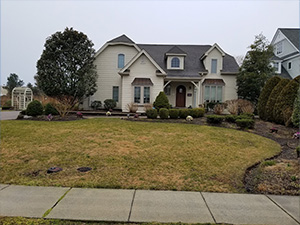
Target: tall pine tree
(255,70)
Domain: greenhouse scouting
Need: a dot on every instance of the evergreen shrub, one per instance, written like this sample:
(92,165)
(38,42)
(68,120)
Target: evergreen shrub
(272,99)
(49,109)
(109,104)
(264,96)
(164,113)
(183,113)
(151,113)
(245,123)
(34,108)
(214,119)
(161,101)
(296,111)
(174,113)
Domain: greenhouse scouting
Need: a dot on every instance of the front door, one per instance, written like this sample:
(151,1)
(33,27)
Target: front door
(180,96)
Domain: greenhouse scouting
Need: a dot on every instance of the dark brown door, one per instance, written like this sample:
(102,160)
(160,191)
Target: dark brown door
(180,96)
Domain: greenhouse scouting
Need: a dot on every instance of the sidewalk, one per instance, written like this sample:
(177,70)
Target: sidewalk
(147,206)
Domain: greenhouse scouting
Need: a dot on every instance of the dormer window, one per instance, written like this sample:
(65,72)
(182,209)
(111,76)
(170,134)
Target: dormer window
(175,63)
(121,61)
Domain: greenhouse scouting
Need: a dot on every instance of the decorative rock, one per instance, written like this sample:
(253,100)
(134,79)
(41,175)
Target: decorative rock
(189,118)
(54,170)
(84,169)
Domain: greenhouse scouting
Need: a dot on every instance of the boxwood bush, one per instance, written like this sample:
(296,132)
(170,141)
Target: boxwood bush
(174,113)
(197,112)
(230,118)
(109,104)
(214,119)
(264,96)
(49,109)
(164,113)
(151,113)
(245,123)
(183,113)
(34,108)
(272,98)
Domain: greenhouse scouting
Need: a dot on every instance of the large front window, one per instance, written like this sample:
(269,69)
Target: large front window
(141,94)
(213,94)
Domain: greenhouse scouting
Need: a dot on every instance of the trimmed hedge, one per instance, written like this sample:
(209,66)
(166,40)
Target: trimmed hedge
(183,113)
(151,113)
(109,104)
(49,109)
(164,113)
(34,108)
(214,119)
(161,101)
(264,96)
(285,101)
(197,112)
(230,118)
(272,99)
(245,123)
(174,113)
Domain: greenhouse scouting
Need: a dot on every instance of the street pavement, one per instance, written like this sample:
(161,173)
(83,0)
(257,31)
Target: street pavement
(86,204)
(9,115)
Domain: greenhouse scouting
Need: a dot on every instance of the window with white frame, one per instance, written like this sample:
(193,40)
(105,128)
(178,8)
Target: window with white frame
(121,61)
(175,63)
(214,63)
(141,94)
(213,93)
(115,94)
(276,66)
(289,65)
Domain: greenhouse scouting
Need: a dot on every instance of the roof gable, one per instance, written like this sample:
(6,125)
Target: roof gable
(215,46)
(123,38)
(293,34)
(175,51)
(136,57)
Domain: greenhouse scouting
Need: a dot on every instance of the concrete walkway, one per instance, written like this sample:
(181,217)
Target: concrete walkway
(9,115)
(147,206)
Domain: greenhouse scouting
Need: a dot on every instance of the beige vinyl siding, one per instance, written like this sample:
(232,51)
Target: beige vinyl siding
(107,69)
(214,54)
(141,68)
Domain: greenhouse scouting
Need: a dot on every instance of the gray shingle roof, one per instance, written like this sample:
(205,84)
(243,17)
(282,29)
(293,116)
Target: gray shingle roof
(122,38)
(192,63)
(176,50)
(293,34)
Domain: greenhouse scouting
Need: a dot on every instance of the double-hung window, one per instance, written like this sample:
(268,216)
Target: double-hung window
(121,61)
(115,94)
(141,94)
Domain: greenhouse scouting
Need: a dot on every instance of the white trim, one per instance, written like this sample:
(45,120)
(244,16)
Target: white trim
(281,33)
(115,43)
(212,48)
(136,57)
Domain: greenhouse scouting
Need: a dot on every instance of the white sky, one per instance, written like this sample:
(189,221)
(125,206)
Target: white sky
(232,24)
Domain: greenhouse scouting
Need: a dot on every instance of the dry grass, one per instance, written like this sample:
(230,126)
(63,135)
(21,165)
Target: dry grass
(126,154)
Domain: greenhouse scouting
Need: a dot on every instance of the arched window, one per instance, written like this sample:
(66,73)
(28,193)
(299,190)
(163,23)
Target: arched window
(175,62)
(121,60)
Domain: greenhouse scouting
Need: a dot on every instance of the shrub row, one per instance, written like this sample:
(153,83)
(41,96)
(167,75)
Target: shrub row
(175,113)
(242,121)
(35,108)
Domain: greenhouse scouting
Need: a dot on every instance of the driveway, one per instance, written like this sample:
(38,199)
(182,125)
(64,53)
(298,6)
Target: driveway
(9,115)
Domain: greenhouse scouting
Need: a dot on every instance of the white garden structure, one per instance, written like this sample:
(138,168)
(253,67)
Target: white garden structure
(21,97)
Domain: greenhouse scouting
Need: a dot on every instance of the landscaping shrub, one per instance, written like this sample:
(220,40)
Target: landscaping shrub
(298,151)
(109,104)
(214,119)
(210,105)
(245,106)
(268,163)
(148,106)
(245,123)
(230,118)
(272,98)
(183,113)
(161,101)
(197,112)
(174,113)
(151,113)
(34,108)
(246,115)
(264,96)
(164,113)
(296,111)
(285,101)
(218,109)
(96,105)
(232,106)
(132,107)
(49,109)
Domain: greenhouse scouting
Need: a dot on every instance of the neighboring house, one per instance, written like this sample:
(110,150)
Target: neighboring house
(189,74)
(3,91)
(286,59)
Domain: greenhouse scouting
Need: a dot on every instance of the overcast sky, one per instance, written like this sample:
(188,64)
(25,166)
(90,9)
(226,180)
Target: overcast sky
(232,24)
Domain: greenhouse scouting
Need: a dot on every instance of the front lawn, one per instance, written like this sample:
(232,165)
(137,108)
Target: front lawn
(124,154)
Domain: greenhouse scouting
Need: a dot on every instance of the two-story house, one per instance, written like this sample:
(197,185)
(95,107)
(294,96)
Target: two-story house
(286,59)
(189,74)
